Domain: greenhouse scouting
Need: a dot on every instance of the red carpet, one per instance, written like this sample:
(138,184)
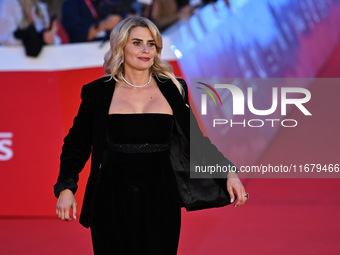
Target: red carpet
(283,216)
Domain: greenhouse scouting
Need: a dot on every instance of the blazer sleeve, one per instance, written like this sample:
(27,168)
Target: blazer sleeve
(190,149)
(77,145)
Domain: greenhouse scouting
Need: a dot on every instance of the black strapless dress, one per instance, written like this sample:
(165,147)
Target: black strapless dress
(137,208)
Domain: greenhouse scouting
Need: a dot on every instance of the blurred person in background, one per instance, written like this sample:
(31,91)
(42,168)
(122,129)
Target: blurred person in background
(135,122)
(130,8)
(26,22)
(164,13)
(90,20)
(54,7)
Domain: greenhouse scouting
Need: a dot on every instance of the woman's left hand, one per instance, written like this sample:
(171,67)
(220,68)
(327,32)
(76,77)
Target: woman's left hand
(235,186)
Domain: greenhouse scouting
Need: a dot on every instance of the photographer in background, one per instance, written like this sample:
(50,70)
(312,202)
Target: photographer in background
(26,22)
(90,20)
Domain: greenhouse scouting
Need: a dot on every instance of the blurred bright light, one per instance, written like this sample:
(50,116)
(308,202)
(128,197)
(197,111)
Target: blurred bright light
(238,3)
(177,52)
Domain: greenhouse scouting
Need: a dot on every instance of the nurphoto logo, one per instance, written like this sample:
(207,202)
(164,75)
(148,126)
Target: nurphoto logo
(240,101)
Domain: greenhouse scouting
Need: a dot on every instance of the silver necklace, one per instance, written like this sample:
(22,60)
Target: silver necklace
(141,86)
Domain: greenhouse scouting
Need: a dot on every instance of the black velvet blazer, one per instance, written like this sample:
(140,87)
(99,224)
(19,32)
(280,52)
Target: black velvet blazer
(88,133)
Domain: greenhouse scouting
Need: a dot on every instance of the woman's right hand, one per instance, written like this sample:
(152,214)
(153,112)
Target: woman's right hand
(66,201)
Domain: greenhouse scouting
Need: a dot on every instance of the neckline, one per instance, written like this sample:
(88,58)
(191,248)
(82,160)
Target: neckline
(146,113)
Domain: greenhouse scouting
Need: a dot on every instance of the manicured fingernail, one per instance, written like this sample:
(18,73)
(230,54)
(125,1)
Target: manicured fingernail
(231,200)
(75,217)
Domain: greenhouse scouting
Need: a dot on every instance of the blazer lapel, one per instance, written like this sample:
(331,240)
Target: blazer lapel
(104,98)
(177,103)
(103,101)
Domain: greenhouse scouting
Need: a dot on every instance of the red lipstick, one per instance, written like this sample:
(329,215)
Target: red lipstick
(145,59)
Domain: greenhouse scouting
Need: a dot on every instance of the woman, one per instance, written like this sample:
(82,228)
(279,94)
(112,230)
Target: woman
(137,123)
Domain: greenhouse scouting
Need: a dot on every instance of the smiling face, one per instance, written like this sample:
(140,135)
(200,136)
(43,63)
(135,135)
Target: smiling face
(140,50)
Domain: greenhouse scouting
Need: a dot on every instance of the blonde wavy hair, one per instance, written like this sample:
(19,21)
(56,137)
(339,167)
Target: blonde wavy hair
(114,58)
